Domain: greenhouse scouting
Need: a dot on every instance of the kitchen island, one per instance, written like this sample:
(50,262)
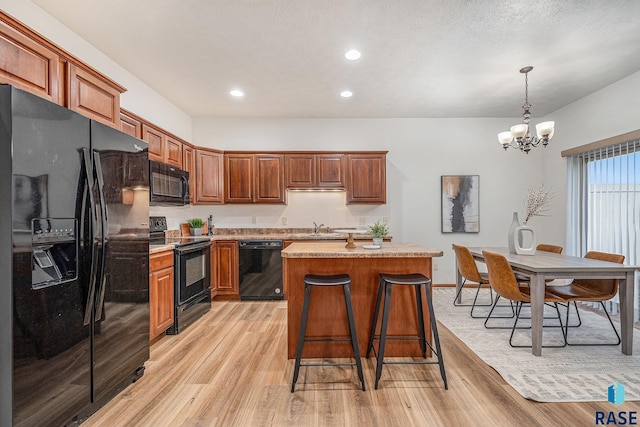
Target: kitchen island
(327,314)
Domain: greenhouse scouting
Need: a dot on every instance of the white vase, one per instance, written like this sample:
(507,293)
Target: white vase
(377,241)
(519,238)
(515,223)
(196,231)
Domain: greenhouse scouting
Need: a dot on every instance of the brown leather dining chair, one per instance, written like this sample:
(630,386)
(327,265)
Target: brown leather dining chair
(469,271)
(593,290)
(504,283)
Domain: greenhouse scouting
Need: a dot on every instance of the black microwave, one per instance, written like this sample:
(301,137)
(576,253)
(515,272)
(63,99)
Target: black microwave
(168,185)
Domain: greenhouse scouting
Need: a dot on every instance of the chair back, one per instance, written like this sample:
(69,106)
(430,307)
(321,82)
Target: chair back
(467,265)
(549,248)
(501,277)
(608,288)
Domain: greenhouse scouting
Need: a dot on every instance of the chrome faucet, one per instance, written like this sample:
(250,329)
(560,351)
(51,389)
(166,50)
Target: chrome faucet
(316,227)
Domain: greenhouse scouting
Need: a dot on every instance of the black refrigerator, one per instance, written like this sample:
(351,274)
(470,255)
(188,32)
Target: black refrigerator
(74,269)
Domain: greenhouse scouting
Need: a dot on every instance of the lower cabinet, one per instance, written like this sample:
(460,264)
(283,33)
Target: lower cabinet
(161,299)
(225,283)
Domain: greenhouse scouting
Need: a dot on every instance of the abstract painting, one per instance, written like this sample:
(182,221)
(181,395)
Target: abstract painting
(460,204)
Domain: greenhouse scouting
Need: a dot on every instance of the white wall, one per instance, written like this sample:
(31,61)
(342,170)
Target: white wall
(139,98)
(608,112)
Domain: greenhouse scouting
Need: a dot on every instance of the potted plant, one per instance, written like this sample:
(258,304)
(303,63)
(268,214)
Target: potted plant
(378,231)
(195,225)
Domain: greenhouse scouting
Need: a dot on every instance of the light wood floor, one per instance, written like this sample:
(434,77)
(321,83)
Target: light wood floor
(230,369)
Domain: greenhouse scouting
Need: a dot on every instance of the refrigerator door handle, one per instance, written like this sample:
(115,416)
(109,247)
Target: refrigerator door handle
(88,175)
(104,223)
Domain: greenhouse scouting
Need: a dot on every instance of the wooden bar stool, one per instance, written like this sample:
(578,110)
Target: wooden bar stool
(311,280)
(387,281)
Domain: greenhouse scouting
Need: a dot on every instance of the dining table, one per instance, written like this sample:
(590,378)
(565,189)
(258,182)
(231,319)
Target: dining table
(546,265)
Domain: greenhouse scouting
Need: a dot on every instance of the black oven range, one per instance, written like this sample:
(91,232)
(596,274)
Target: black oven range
(192,275)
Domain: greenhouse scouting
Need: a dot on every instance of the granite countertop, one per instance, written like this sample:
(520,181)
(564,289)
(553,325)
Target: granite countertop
(338,250)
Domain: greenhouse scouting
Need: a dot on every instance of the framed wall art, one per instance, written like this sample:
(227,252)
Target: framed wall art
(460,203)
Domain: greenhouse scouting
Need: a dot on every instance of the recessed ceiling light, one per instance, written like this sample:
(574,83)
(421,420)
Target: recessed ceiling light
(237,93)
(346,94)
(352,54)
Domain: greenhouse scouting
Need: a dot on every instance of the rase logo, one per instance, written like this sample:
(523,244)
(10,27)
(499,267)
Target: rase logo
(615,395)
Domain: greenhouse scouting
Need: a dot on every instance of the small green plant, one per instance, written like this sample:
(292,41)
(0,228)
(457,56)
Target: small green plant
(378,229)
(195,222)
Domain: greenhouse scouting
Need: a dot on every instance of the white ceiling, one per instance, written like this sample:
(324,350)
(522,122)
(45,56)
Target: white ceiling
(420,58)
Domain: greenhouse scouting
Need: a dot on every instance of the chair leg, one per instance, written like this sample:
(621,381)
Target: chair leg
(352,331)
(495,304)
(436,336)
(301,335)
(420,316)
(383,331)
(519,306)
(375,318)
(593,344)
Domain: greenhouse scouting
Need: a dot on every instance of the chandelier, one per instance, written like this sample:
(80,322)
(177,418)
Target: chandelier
(519,136)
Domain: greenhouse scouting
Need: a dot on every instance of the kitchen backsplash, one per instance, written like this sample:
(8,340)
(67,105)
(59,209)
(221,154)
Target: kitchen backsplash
(302,209)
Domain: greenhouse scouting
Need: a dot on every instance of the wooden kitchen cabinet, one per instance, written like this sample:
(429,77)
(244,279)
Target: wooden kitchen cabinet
(269,179)
(189,165)
(254,178)
(209,176)
(28,64)
(366,178)
(130,124)
(161,293)
(225,283)
(162,147)
(315,171)
(92,96)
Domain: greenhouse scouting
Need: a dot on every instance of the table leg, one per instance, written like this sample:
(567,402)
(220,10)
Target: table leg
(626,312)
(537,312)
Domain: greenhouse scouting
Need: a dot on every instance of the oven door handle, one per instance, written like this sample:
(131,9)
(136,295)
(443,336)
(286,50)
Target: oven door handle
(192,248)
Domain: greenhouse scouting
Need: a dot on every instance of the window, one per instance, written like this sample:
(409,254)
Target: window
(603,203)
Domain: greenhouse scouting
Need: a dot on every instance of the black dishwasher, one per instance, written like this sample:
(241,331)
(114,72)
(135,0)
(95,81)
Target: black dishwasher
(260,266)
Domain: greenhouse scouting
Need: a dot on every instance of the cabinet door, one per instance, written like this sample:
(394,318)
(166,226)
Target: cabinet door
(130,125)
(238,178)
(161,305)
(189,164)
(173,152)
(330,170)
(366,182)
(155,139)
(92,96)
(269,178)
(29,65)
(300,170)
(209,176)
(161,292)
(225,269)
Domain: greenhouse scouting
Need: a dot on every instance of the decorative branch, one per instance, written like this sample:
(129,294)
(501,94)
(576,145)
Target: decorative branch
(537,201)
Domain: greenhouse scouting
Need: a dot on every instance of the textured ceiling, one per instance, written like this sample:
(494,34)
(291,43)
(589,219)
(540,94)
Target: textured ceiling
(420,58)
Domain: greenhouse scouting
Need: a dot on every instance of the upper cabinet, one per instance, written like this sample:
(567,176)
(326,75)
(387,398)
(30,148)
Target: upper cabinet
(366,178)
(209,176)
(28,64)
(92,96)
(130,124)
(254,178)
(315,170)
(32,63)
(162,147)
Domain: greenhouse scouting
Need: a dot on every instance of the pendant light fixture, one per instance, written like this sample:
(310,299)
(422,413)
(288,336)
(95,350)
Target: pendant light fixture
(519,136)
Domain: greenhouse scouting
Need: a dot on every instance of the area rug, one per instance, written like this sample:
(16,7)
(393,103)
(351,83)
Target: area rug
(568,374)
